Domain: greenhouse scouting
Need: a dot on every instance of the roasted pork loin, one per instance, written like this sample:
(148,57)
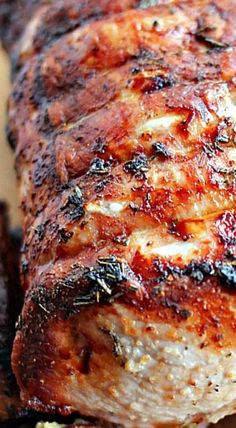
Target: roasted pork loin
(124,120)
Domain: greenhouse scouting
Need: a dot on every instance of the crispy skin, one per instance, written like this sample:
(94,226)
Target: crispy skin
(124,130)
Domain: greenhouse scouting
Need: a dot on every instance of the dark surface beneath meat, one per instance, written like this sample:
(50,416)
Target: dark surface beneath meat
(10,303)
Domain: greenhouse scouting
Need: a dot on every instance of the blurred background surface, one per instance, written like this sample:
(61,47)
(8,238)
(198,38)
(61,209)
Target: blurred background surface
(7,179)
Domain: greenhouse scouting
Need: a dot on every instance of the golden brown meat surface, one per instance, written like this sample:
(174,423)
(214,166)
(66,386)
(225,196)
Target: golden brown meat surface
(124,123)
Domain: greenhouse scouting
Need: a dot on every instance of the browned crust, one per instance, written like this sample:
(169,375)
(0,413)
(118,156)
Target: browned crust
(69,120)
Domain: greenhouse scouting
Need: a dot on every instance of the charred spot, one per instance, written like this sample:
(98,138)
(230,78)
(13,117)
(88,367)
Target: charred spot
(106,87)
(148,85)
(43,169)
(222,138)
(101,284)
(43,298)
(146,55)
(137,166)
(102,184)
(65,186)
(225,271)
(171,304)
(106,281)
(227,176)
(64,235)
(99,145)
(184,314)
(41,231)
(159,82)
(198,271)
(24,267)
(227,274)
(62,22)
(161,150)
(210,148)
(17,95)
(38,88)
(164,271)
(121,240)
(11,137)
(46,125)
(178,229)
(135,69)
(74,205)
(110,272)
(100,166)
(230,254)
(195,270)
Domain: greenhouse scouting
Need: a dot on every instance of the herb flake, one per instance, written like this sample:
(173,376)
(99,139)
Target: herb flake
(74,204)
(212,43)
(100,166)
(110,272)
(161,150)
(64,235)
(138,165)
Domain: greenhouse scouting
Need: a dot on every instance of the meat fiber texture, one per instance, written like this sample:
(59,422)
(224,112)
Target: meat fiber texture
(123,117)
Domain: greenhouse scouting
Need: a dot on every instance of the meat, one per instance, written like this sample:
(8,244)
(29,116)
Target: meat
(12,413)
(79,423)
(55,425)
(124,126)
(9,394)
(51,20)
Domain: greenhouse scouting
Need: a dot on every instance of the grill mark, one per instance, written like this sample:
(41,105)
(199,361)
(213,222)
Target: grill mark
(47,36)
